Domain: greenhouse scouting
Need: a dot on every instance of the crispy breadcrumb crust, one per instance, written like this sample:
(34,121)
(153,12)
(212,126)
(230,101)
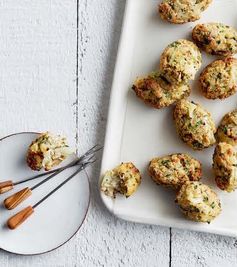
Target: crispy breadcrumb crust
(194,125)
(198,202)
(219,79)
(180,61)
(174,170)
(47,151)
(216,38)
(225,166)
(124,179)
(227,130)
(179,12)
(154,90)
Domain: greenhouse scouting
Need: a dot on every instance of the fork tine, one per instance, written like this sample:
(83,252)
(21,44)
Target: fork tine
(87,153)
(98,148)
(88,163)
(91,158)
(92,150)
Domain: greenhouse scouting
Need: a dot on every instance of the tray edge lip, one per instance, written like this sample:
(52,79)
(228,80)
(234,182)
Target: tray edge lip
(194,228)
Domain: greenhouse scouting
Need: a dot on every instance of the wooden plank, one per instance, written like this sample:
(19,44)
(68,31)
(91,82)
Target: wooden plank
(201,249)
(119,243)
(38,85)
(38,66)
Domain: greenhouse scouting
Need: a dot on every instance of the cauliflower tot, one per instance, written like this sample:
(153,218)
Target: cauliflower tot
(225,166)
(179,12)
(198,202)
(123,179)
(47,151)
(156,91)
(227,130)
(174,170)
(219,79)
(216,38)
(180,61)
(194,125)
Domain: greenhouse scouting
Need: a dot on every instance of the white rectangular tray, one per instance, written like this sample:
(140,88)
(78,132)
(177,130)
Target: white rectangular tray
(137,133)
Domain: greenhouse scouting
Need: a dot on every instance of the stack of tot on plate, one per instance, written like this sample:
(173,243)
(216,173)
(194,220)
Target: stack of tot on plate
(169,85)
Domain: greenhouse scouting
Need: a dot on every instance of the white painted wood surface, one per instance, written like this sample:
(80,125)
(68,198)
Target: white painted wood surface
(42,51)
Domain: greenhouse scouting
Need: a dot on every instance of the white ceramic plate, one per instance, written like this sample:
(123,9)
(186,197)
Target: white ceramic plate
(137,133)
(57,219)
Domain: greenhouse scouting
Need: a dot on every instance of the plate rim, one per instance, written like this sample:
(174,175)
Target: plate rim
(87,208)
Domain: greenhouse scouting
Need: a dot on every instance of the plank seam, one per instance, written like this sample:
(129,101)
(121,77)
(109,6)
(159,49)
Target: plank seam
(77,78)
(170,248)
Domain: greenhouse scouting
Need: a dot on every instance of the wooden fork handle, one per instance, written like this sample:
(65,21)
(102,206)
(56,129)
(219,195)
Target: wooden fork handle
(17,198)
(6,186)
(19,218)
